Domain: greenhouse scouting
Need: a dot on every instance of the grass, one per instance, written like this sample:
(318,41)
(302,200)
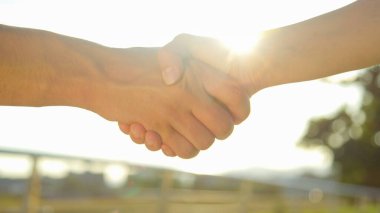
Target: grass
(10,201)
(189,201)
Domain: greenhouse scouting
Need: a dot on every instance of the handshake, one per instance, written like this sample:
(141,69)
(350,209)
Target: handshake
(181,97)
(177,98)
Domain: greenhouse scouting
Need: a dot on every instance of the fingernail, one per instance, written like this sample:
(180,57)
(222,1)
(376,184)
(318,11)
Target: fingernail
(170,75)
(125,127)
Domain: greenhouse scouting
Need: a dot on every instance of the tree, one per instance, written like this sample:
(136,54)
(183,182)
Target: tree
(353,138)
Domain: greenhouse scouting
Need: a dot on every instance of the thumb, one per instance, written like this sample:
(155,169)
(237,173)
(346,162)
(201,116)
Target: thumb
(208,50)
(171,66)
(184,46)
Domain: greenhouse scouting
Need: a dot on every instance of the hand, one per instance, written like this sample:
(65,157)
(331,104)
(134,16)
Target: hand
(119,84)
(172,56)
(184,116)
(211,52)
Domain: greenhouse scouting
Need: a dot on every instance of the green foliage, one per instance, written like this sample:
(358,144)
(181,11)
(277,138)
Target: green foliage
(353,138)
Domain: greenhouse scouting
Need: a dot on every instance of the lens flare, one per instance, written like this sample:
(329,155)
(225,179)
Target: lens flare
(241,44)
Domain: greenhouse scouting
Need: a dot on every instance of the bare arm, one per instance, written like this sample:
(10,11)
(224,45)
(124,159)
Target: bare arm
(343,40)
(40,68)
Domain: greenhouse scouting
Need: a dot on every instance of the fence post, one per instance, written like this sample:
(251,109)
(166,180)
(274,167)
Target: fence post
(245,195)
(32,198)
(166,184)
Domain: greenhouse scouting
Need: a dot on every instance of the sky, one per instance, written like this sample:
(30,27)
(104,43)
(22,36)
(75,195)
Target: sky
(267,139)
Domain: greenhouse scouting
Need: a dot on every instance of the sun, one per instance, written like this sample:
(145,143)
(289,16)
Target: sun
(241,44)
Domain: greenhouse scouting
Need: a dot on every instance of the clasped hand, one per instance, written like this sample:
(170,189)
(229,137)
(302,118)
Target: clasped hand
(202,103)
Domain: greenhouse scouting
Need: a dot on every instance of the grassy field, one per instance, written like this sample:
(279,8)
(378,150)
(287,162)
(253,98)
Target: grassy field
(193,201)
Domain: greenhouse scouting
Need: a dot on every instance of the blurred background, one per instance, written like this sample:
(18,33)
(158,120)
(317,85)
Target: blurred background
(307,147)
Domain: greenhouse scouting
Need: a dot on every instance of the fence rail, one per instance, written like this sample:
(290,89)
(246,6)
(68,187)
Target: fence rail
(169,199)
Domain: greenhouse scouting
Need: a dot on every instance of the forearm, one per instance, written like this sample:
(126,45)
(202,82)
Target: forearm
(343,40)
(39,68)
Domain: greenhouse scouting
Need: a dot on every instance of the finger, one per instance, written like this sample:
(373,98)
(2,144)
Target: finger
(215,118)
(227,91)
(167,151)
(205,49)
(153,140)
(125,128)
(180,145)
(171,66)
(207,110)
(137,133)
(194,131)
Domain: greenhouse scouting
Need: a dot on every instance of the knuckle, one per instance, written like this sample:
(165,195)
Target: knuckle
(181,146)
(168,151)
(181,37)
(241,104)
(188,154)
(243,112)
(205,143)
(222,125)
(200,136)
(225,130)
(186,151)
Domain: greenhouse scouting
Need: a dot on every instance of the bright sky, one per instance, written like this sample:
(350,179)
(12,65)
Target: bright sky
(267,139)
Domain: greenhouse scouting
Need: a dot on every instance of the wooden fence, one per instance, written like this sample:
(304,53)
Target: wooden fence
(169,199)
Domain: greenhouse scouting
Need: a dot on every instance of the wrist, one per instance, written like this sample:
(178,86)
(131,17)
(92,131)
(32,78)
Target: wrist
(269,63)
(73,72)
(248,70)
(109,76)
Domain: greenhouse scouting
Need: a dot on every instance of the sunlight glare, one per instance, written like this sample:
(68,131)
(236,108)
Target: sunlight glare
(116,175)
(53,168)
(241,44)
(15,166)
